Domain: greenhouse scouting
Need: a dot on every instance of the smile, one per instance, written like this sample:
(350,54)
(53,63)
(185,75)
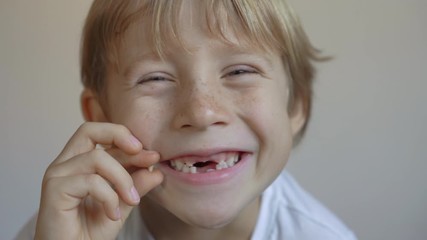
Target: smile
(197,164)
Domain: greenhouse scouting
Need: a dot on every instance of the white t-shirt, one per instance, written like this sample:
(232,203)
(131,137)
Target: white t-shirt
(287,212)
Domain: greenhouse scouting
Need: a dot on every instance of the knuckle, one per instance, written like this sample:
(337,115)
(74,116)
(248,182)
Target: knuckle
(97,154)
(94,179)
(50,172)
(49,184)
(84,127)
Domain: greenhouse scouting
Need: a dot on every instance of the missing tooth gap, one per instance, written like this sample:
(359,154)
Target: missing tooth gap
(202,164)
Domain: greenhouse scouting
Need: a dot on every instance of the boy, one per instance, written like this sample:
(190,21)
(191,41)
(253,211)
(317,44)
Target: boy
(196,105)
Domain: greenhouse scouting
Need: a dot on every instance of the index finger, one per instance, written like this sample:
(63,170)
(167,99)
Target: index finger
(90,134)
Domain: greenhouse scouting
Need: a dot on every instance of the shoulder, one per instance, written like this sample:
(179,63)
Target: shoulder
(289,212)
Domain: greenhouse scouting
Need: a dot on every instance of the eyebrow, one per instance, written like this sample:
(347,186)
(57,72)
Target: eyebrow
(255,57)
(140,58)
(239,50)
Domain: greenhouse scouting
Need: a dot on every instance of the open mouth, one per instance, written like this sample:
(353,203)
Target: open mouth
(196,164)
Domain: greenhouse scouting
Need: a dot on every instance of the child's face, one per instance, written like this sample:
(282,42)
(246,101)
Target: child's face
(210,102)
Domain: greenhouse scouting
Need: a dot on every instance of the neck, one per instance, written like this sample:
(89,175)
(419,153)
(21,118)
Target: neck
(162,224)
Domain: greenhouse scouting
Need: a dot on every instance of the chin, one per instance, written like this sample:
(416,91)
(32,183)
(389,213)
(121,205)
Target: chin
(210,218)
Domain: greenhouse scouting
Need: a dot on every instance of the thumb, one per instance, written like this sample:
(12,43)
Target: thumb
(144,181)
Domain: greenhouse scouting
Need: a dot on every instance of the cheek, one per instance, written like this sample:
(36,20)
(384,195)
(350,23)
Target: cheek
(267,117)
(265,111)
(144,126)
(145,119)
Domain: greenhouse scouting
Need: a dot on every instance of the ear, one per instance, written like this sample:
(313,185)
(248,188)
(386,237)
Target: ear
(91,107)
(298,117)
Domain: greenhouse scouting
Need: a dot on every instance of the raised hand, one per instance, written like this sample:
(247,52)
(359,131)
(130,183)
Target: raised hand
(88,192)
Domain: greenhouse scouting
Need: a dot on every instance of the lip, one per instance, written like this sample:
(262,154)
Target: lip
(208,178)
(204,153)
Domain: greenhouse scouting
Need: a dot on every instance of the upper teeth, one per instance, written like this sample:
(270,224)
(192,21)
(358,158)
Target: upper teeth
(223,161)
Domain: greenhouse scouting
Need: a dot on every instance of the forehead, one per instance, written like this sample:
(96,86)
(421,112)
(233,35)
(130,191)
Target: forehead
(138,43)
(193,44)
(171,25)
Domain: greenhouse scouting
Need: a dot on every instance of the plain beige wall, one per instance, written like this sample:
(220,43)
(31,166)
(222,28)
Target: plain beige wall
(366,149)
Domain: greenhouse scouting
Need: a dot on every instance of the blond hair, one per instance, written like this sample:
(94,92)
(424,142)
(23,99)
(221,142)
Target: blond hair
(268,24)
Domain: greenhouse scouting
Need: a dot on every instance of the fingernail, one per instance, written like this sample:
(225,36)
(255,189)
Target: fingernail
(154,156)
(118,213)
(134,194)
(135,141)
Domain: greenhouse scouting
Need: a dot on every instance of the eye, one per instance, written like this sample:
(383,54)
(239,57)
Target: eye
(153,78)
(240,70)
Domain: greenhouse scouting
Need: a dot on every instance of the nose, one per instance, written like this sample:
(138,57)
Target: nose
(199,109)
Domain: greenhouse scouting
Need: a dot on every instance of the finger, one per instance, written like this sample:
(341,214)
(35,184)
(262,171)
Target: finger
(144,181)
(98,162)
(90,134)
(142,159)
(66,193)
